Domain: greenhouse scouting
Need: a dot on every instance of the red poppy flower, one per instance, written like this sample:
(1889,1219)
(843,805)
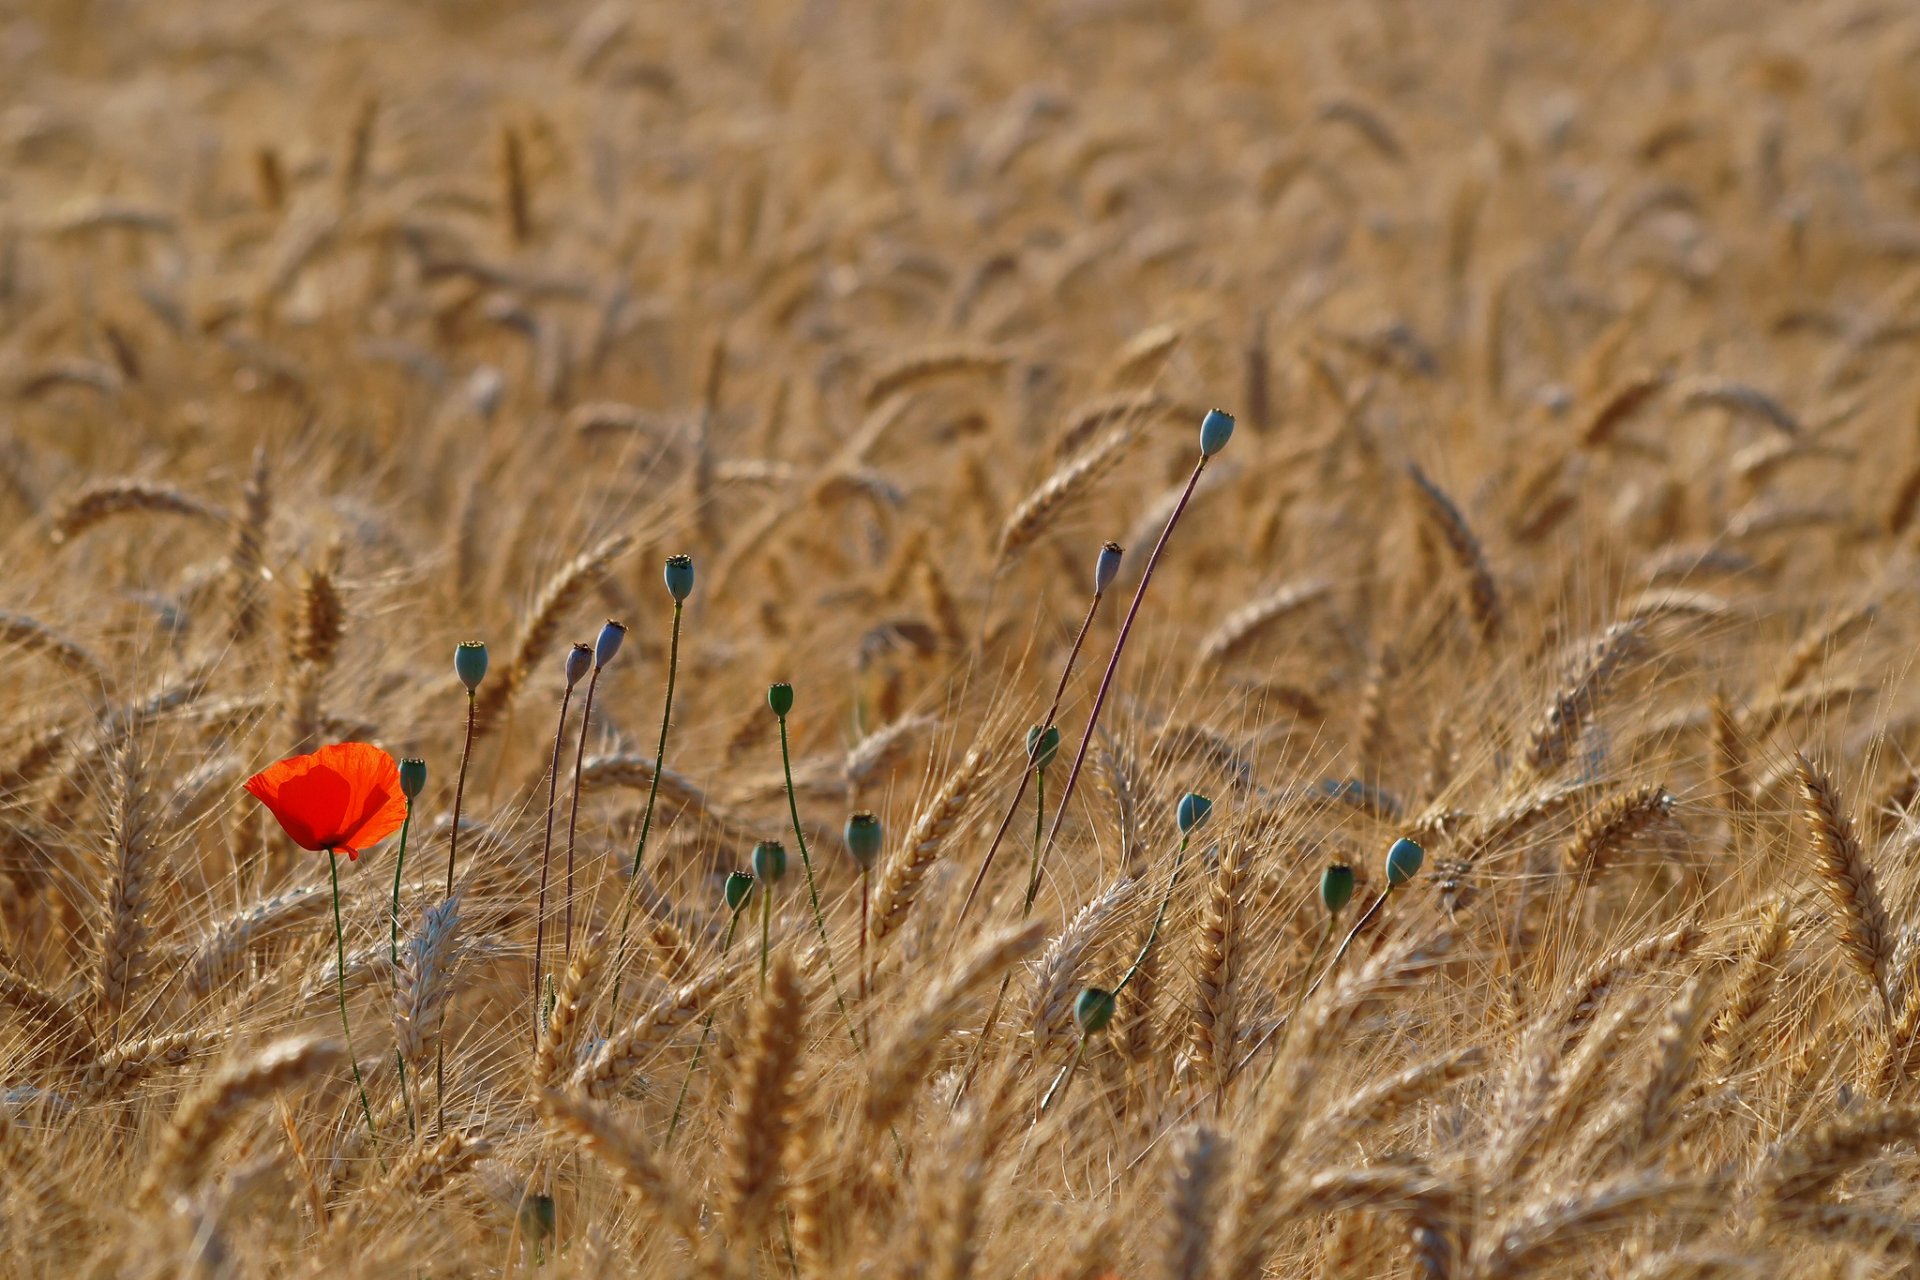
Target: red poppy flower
(346,796)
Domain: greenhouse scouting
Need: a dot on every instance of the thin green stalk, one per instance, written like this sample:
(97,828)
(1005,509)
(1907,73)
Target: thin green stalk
(806,864)
(621,959)
(546,859)
(573,813)
(453,851)
(1113,659)
(992,1023)
(1153,934)
(766,929)
(1299,1001)
(706,1031)
(393,912)
(346,1027)
(1332,964)
(1046,723)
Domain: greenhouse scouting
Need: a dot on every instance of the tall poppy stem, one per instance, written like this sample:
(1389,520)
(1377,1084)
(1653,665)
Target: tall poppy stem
(346,1027)
(992,1024)
(393,950)
(766,931)
(806,864)
(453,852)
(1160,917)
(621,959)
(546,860)
(1113,660)
(706,1032)
(573,812)
(1046,723)
(393,911)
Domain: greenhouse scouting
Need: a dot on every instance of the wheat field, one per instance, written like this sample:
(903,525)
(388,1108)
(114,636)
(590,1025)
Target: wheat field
(1566,531)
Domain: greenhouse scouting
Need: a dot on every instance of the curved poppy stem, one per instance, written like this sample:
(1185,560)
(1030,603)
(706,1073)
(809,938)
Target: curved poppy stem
(393,912)
(1046,723)
(340,940)
(706,1032)
(1160,917)
(992,1024)
(546,860)
(573,811)
(806,864)
(453,853)
(1113,659)
(621,959)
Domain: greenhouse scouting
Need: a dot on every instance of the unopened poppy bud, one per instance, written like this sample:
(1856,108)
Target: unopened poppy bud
(1193,811)
(864,838)
(1336,888)
(1215,430)
(608,645)
(780,698)
(1403,861)
(1043,746)
(579,658)
(413,777)
(739,885)
(769,861)
(1106,567)
(1093,1010)
(680,576)
(470,663)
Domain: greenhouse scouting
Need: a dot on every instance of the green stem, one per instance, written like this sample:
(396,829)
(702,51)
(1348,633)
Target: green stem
(346,1027)
(1179,859)
(1058,1089)
(706,1031)
(806,864)
(573,811)
(453,850)
(766,928)
(621,959)
(546,860)
(1039,827)
(393,912)
(400,1061)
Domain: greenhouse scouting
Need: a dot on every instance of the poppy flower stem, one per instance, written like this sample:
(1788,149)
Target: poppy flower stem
(1113,659)
(646,821)
(992,1023)
(1160,917)
(706,1033)
(1046,723)
(573,810)
(546,861)
(453,852)
(806,864)
(346,1027)
(393,912)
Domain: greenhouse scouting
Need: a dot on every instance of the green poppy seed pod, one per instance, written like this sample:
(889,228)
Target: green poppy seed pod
(579,658)
(739,885)
(1215,430)
(1093,1010)
(1336,888)
(608,645)
(769,861)
(1043,746)
(470,663)
(1193,811)
(780,698)
(1403,861)
(864,838)
(537,1217)
(680,576)
(1106,567)
(413,777)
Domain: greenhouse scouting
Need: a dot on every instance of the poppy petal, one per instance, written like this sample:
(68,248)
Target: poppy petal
(345,796)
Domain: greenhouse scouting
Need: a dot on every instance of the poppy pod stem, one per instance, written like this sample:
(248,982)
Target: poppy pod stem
(1102,575)
(346,1026)
(1120,645)
(453,854)
(653,791)
(706,1033)
(806,864)
(546,853)
(573,811)
(1159,918)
